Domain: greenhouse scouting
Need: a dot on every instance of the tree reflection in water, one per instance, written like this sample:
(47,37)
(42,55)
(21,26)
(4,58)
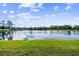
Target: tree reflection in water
(6,35)
(69,32)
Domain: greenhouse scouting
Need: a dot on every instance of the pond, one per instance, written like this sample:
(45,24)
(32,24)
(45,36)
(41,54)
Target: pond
(40,35)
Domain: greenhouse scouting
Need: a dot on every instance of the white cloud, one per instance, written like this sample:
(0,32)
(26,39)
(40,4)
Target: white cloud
(4,11)
(11,11)
(62,14)
(40,5)
(34,7)
(53,15)
(25,18)
(70,3)
(35,10)
(31,5)
(4,4)
(68,7)
(56,8)
(26,5)
(46,15)
(11,16)
(77,18)
(35,17)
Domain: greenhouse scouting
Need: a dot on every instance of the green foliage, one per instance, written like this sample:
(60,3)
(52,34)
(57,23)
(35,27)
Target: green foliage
(64,27)
(40,47)
(8,25)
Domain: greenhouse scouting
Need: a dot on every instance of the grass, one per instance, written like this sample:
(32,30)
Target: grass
(39,48)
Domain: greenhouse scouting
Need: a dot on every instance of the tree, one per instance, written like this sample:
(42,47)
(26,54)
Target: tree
(2,24)
(9,24)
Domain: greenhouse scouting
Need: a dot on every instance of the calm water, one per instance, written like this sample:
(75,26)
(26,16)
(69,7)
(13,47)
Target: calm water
(40,35)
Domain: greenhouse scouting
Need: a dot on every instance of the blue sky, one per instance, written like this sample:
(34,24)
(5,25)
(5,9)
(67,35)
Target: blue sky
(40,14)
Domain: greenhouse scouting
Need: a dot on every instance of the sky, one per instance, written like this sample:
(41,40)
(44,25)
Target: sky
(40,14)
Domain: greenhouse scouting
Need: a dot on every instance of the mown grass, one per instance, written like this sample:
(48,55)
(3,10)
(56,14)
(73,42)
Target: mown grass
(39,48)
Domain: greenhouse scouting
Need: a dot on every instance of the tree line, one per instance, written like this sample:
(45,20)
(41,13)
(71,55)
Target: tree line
(9,25)
(63,27)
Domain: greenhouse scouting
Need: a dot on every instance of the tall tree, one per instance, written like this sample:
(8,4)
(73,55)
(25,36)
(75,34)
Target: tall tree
(3,24)
(9,24)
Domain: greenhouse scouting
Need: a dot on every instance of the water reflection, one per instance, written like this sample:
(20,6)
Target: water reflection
(45,31)
(34,34)
(69,32)
(60,32)
(31,32)
(6,35)
(51,32)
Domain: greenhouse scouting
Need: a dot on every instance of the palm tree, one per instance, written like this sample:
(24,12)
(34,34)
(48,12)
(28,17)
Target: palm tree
(2,24)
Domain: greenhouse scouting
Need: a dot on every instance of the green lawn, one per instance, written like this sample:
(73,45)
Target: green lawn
(39,47)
